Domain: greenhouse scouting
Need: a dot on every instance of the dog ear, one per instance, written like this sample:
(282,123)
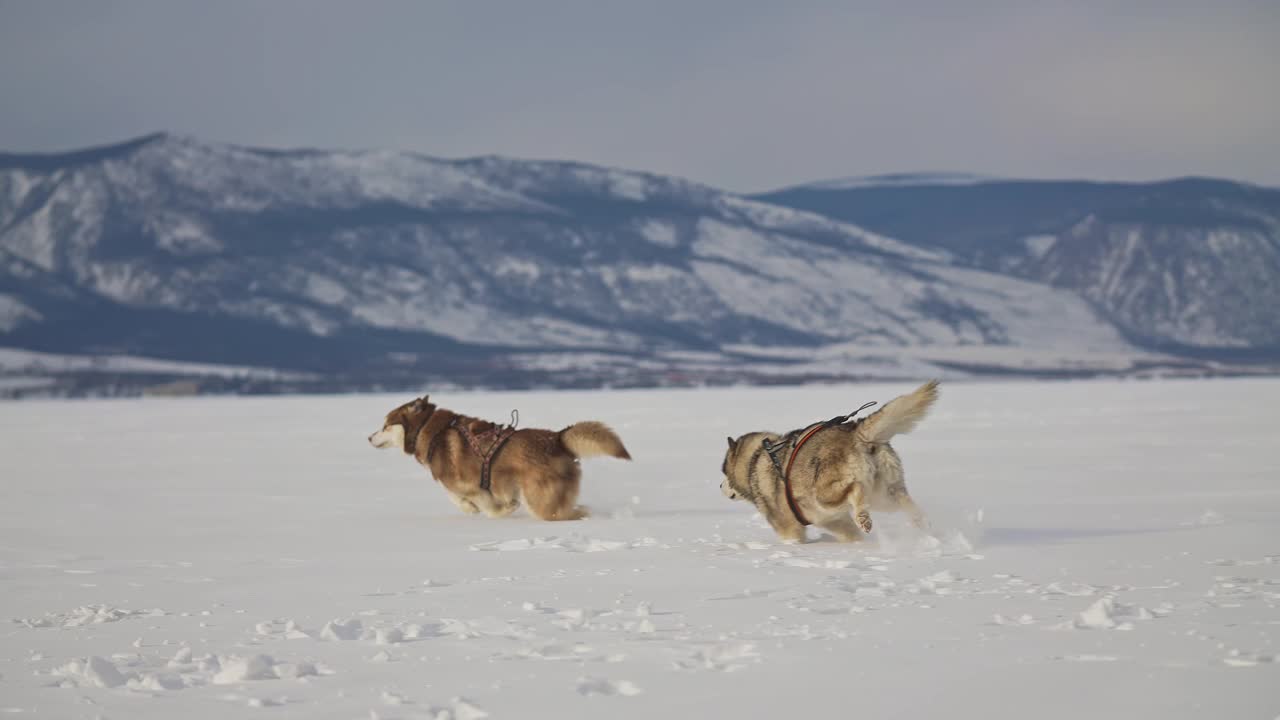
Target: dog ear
(419,403)
(732,444)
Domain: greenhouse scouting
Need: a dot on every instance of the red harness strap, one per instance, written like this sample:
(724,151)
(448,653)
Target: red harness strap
(772,449)
(786,473)
(500,437)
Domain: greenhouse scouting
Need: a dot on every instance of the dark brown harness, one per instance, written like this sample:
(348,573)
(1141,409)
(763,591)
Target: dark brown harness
(477,442)
(796,440)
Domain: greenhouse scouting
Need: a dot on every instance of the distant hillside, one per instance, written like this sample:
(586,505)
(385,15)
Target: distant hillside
(385,269)
(1188,265)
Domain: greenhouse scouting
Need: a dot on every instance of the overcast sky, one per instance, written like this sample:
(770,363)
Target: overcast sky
(744,94)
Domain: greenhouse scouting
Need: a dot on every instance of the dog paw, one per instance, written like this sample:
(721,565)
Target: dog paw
(864,521)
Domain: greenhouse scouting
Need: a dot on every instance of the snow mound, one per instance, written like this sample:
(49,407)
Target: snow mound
(1108,614)
(600,686)
(93,671)
(86,615)
(342,630)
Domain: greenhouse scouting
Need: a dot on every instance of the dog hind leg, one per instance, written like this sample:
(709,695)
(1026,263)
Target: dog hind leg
(861,509)
(556,497)
(557,510)
(907,505)
(893,478)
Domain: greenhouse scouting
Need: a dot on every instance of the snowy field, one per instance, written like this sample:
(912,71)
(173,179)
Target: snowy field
(1100,550)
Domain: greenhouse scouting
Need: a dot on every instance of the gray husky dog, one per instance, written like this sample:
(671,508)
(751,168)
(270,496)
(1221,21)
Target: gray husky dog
(830,474)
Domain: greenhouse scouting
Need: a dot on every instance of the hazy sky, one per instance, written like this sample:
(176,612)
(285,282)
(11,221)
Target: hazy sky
(743,94)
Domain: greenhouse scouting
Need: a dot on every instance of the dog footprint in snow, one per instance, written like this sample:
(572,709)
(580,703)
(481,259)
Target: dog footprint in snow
(457,709)
(577,652)
(588,687)
(1236,658)
(720,658)
(288,629)
(342,630)
(1087,657)
(390,697)
(1023,619)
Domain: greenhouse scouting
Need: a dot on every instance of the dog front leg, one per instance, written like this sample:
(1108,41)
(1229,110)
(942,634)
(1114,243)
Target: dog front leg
(463,504)
(788,528)
(490,505)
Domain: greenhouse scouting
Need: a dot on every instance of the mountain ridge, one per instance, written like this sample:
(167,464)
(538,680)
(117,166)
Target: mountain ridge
(1190,265)
(387,268)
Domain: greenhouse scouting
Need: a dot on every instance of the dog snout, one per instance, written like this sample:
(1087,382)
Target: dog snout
(391,436)
(727,490)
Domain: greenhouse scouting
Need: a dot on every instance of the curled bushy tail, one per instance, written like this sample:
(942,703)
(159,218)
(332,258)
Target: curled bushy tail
(900,415)
(593,439)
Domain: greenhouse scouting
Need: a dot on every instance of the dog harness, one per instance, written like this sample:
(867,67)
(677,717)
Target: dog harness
(796,440)
(476,441)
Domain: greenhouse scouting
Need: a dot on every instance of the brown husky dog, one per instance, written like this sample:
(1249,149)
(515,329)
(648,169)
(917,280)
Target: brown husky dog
(837,477)
(541,465)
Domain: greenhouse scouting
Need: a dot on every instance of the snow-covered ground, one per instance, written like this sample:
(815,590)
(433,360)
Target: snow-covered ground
(1101,550)
(14,361)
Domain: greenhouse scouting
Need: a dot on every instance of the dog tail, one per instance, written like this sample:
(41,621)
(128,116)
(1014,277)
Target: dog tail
(900,415)
(593,439)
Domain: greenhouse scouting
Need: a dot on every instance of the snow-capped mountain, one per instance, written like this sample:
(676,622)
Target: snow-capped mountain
(1188,266)
(385,267)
